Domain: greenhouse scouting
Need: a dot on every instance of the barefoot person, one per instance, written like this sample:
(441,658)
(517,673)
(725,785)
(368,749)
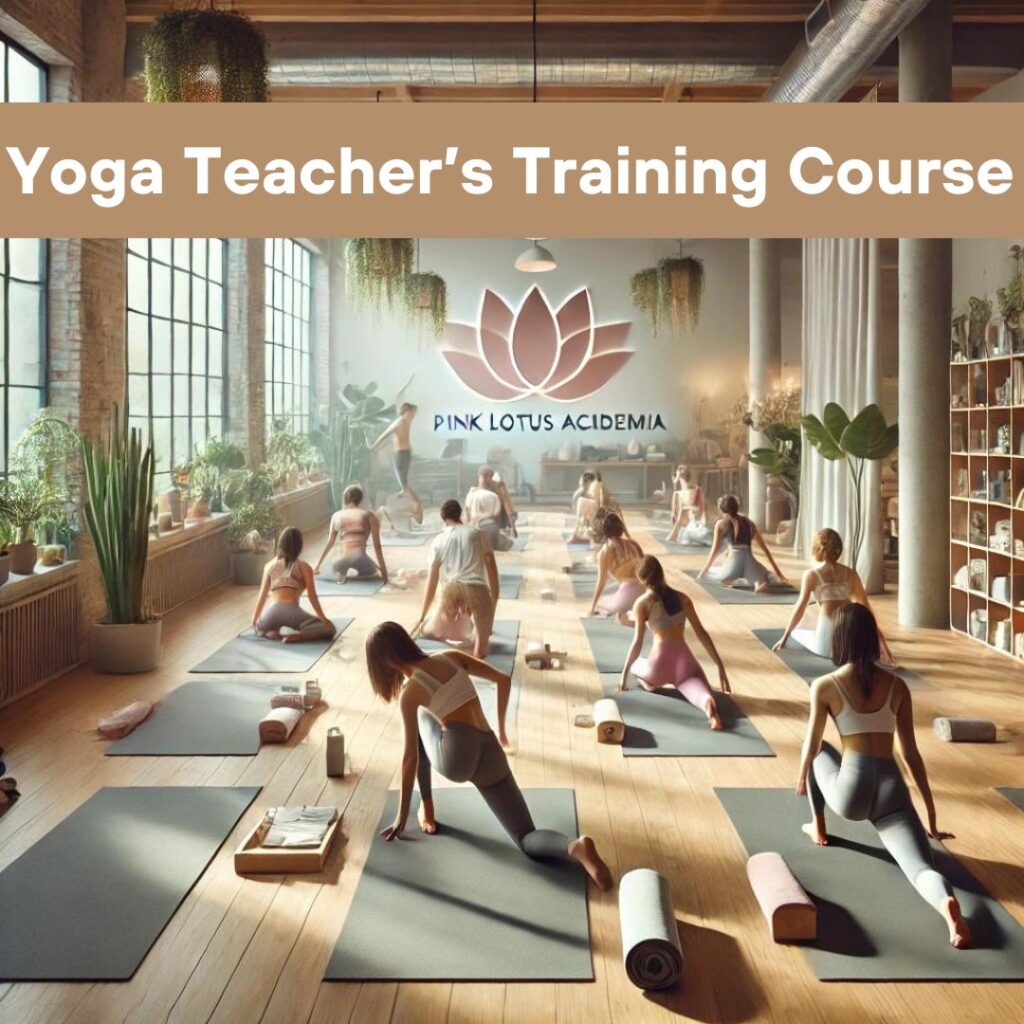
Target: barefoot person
(869,705)
(689,511)
(617,559)
(832,585)
(355,526)
(401,446)
(463,562)
(445,727)
(666,611)
(279,614)
(737,533)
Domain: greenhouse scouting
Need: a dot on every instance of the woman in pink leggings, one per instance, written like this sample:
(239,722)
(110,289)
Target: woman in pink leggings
(671,663)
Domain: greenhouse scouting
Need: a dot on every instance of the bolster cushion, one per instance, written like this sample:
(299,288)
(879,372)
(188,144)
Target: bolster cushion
(789,911)
(965,730)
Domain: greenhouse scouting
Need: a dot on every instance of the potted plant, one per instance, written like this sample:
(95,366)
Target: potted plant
(1011,303)
(219,458)
(426,295)
(286,452)
(253,525)
(202,489)
(6,537)
(24,500)
(672,293)
(643,288)
(119,483)
(978,315)
(377,271)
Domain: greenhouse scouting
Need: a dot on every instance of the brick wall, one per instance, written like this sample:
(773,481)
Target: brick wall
(246,314)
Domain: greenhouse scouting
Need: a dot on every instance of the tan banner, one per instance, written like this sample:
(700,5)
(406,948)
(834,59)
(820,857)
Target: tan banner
(546,170)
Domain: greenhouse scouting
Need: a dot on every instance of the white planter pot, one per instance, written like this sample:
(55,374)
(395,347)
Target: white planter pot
(5,567)
(247,567)
(23,558)
(126,648)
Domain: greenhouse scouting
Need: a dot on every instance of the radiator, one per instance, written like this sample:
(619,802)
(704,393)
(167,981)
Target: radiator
(38,639)
(182,571)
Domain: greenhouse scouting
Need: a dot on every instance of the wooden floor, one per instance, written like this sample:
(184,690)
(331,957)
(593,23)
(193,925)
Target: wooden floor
(255,950)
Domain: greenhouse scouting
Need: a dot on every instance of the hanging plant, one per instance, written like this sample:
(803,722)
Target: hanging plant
(377,271)
(643,287)
(427,294)
(680,291)
(205,56)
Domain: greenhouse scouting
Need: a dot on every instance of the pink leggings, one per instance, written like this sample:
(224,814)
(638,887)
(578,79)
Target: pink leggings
(672,664)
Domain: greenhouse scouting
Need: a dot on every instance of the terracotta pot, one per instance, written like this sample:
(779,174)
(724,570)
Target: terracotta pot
(125,648)
(23,558)
(5,567)
(199,509)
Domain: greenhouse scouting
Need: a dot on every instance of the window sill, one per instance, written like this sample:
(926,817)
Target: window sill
(45,576)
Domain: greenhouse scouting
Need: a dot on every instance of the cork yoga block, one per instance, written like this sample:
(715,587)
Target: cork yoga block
(608,721)
(965,730)
(789,911)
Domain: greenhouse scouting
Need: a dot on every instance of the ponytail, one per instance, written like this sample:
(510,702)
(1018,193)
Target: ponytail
(652,575)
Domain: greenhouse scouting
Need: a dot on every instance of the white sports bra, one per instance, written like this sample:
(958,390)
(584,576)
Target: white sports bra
(851,722)
(832,590)
(450,695)
(659,618)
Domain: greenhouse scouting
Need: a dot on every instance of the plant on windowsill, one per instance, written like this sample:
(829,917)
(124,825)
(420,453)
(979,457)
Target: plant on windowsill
(216,459)
(253,524)
(377,271)
(6,539)
(286,454)
(120,481)
(24,501)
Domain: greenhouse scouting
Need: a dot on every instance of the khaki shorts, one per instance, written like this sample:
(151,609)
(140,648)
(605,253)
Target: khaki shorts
(481,608)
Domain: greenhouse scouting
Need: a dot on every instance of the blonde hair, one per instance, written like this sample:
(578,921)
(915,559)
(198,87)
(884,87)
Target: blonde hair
(454,601)
(827,545)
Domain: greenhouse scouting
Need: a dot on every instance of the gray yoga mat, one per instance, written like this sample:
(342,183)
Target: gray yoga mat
(584,581)
(872,924)
(661,536)
(510,581)
(520,542)
(466,904)
(610,642)
(504,640)
(204,717)
(88,900)
(566,534)
(651,953)
(809,666)
(665,724)
(328,586)
(745,595)
(248,652)
(1015,796)
(405,540)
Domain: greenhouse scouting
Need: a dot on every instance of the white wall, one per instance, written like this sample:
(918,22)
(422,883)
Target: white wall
(665,376)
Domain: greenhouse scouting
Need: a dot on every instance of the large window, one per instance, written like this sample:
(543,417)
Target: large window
(176,344)
(288,333)
(22,282)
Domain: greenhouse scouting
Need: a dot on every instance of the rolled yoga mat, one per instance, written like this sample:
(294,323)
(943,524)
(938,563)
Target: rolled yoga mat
(661,536)
(745,595)
(665,724)
(466,904)
(809,666)
(328,586)
(88,900)
(202,717)
(872,924)
(608,721)
(965,730)
(248,652)
(651,952)
(510,580)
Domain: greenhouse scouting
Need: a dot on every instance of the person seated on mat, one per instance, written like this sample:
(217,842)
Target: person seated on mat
(618,558)
(445,727)
(832,584)
(671,663)
(689,511)
(461,558)
(737,533)
(279,614)
(869,705)
(355,526)
(585,507)
(484,509)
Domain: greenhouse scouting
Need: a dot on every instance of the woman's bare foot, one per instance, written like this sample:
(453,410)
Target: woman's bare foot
(815,831)
(761,587)
(585,852)
(714,719)
(960,936)
(428,823)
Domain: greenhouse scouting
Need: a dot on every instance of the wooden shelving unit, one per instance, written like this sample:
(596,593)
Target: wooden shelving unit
(986,476)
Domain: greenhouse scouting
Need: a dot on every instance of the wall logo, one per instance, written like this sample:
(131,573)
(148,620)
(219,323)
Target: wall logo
(536,352)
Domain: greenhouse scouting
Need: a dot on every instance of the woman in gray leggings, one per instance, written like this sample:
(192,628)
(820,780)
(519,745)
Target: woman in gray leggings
(869,706)
(445,726)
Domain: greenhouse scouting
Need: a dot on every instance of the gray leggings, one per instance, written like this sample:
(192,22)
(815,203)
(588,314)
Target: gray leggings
(463,753)
(860,787)
(363,564)
(740,564)
(285,613)
(402,461)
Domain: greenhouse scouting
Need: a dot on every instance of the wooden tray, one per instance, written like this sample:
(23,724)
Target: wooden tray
(253,859)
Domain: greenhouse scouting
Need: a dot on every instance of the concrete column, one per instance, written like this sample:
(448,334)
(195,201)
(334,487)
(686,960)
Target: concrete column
(873,574)
(765,351)
(926,295)
(246,405)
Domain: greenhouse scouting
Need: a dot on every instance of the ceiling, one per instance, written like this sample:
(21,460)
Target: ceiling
(641,51)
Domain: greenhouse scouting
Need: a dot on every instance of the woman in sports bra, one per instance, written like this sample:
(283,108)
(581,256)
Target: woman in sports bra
(869,706)
(618,559)
(832,585)
(279,615)
(445,726)
(689,511)
(671,663)
(737,534)
(355,526)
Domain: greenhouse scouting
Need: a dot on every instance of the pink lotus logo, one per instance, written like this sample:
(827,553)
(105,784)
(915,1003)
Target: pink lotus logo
(536,352)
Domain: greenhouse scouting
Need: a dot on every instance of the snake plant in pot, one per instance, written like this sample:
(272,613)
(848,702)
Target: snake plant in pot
(119,488)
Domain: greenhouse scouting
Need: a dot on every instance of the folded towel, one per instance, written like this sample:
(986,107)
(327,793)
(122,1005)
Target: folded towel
(298,826)
(965,730)
(121,722)
(278,724)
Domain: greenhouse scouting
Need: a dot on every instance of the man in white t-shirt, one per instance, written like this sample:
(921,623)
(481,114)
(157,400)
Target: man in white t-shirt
(462,560)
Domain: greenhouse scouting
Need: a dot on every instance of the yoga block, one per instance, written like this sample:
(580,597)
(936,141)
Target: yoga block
(547,594)
(253,859)
(279,724)
(965,730)
(541,656)
(608,721)
(789,911)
